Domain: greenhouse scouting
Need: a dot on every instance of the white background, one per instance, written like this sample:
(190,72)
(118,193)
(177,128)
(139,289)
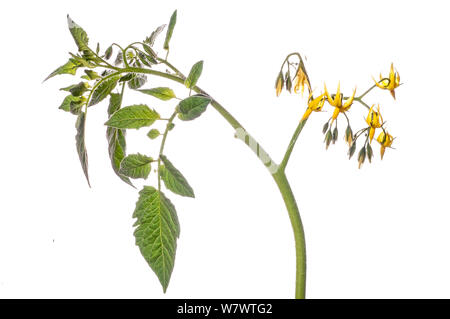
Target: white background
(378,232)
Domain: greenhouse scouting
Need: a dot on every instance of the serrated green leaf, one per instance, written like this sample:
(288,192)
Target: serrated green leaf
(78,89)
(157,232)
(69,68)
(193,76)
(103,89)
(173,179)
(68,88)
(78,34)
(80,144)
(136,166)
(161,93)
(92,75)
(192,107)
(137,81)
(116,139)
(133,116)
(115,101)
(173,21)
(65,105)
(153,133)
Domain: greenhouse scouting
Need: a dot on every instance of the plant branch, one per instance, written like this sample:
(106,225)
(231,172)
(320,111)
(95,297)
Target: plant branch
(291,145)
(163,143)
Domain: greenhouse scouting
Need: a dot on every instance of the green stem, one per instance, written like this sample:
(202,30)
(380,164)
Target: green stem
(279,176)
(163,143)
(299,234)
(291,145)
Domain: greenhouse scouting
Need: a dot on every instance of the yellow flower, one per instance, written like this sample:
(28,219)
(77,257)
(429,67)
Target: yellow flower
(279,84)
(315,105)
(302,79)
(385,139)
(339,107)
(392,82)
(374,120)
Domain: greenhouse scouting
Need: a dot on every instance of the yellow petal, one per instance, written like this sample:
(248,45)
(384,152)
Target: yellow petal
(371,134)
(382,149)
(335,114)
(307,114)
(349,101)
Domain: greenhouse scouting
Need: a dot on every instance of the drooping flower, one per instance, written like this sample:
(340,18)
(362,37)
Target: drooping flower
(374,120)
(315,105)
(390,83)
(339,107)
(385,139)
(301,79)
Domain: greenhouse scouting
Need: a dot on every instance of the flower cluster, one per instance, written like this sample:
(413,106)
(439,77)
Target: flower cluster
(342,104)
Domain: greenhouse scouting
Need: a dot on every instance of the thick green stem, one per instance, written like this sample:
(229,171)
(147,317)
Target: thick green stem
(299,234)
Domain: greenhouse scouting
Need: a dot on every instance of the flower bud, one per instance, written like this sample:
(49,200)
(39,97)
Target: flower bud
(349,135)
(288,82)
(335,134)
(328,138)
(369,153)
(279,83)
(361,157)
(351,150)
(325,128)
